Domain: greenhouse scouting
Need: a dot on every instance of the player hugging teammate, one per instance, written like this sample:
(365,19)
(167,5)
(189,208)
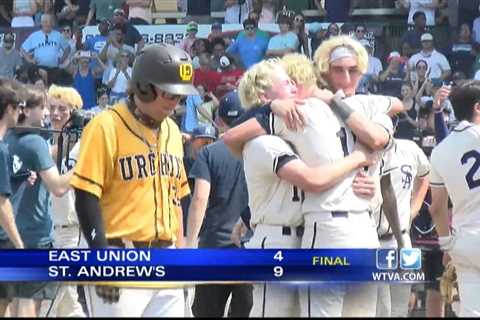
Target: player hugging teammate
(335,216)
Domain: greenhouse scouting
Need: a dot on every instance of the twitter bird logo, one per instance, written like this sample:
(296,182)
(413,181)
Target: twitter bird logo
(410,258)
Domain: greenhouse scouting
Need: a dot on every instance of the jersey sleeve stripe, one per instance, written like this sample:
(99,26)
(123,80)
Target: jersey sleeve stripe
(88,180)
(389,170)
(424,175)
(282,160)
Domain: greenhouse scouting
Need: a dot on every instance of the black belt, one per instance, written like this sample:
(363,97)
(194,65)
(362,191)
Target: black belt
(287,231)
(117,242)
(389,236)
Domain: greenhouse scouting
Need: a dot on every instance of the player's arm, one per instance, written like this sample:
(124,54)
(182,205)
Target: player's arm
(397,106)
(321,178)
(421,182)
(7,221)
(236,137)
(390,208)
(89,215)
(196,212)
(369,133)
(439,210)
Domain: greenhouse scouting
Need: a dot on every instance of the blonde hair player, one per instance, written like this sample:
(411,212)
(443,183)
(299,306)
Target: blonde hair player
(277,179)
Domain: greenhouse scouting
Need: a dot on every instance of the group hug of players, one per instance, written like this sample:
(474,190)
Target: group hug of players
(327,167)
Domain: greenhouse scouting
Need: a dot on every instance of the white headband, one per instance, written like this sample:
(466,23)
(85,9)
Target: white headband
(341,52)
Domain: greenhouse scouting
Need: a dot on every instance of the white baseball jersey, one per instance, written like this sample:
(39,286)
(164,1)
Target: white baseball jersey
(324,140)
(455,165)
(272,200)
(404,162)
(64,207)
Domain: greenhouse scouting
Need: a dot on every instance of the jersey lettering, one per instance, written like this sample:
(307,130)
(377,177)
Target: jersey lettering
(142,166)
(126,168)
(470,177)
(407,176)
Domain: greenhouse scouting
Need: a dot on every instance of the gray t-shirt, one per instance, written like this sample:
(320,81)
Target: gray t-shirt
(9,62)
(32,204)
(228,193)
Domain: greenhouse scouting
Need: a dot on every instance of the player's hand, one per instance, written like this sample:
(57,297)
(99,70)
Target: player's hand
(287,109)
(366,156)
(108,294)
(239,230)
(364,186)
(324,95)
(440,97)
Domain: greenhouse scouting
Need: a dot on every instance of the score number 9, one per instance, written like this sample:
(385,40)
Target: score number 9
(278,270)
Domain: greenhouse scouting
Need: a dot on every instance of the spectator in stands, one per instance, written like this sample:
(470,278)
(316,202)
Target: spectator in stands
(265,11)
(23,12)
(391,80)
(462,55)
(408,119)
(425,98)
(427,6)
(368,81)
(102,100)
(476,28)
(9,56)
(68,37)
(412,37)
(190,117)
(46,48)
(360,32)
(84,75)
(140,12)
(187,43)
(335,10)
(318,33)
(216,32)
(236,11)
(97,42)
(218,51)
(250,48)
(119,76)
(132,36)
(102,9)
(199,46)
(299,29)
(229,77)
(205,76)
(419,75)
(109,53)
(6,13)
(333,30)
(65,11)
(206,111)
(254,16)
(284,42)
(438,63)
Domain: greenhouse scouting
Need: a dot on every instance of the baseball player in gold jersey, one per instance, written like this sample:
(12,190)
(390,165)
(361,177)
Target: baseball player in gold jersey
(129,179)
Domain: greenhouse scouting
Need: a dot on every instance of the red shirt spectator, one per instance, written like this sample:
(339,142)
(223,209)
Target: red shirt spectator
(229,77)
(204,75)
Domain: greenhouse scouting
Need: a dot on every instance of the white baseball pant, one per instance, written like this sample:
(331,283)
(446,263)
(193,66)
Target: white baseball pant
(392,300)
(274,299)
(339,229)
(65,303)
(467,265)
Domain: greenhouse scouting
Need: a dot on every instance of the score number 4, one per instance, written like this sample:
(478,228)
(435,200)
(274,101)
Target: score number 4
(278,270)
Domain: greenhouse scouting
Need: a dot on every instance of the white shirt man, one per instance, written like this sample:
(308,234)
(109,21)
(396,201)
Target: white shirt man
(437,62)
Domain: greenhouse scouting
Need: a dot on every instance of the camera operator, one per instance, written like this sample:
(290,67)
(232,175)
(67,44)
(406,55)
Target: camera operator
(62,102)
(30,152)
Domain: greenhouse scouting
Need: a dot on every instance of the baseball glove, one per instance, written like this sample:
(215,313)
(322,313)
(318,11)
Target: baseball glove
(449,284)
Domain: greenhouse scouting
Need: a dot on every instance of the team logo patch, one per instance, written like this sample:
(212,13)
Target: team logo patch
(186,71)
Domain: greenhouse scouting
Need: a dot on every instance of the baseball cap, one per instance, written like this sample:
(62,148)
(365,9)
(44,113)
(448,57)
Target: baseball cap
(230,107)
(395,55)
(204,132)
(192,26)
(224,61)
(426,37)
(119,12)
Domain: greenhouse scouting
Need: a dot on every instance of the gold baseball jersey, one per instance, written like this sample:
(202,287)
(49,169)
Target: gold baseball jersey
(137,174)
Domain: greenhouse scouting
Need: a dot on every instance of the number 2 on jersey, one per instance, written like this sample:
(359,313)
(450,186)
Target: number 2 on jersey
(470,176)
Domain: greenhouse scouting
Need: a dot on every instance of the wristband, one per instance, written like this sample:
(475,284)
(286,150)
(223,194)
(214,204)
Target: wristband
(341,109)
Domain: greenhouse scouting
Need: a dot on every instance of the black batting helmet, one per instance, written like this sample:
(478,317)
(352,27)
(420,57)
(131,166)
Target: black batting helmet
(165,66)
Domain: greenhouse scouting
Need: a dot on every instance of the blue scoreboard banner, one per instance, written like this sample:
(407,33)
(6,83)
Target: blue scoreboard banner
(213,265)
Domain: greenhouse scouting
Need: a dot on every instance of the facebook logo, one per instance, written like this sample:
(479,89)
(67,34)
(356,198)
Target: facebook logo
(410,258)
(387,259)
